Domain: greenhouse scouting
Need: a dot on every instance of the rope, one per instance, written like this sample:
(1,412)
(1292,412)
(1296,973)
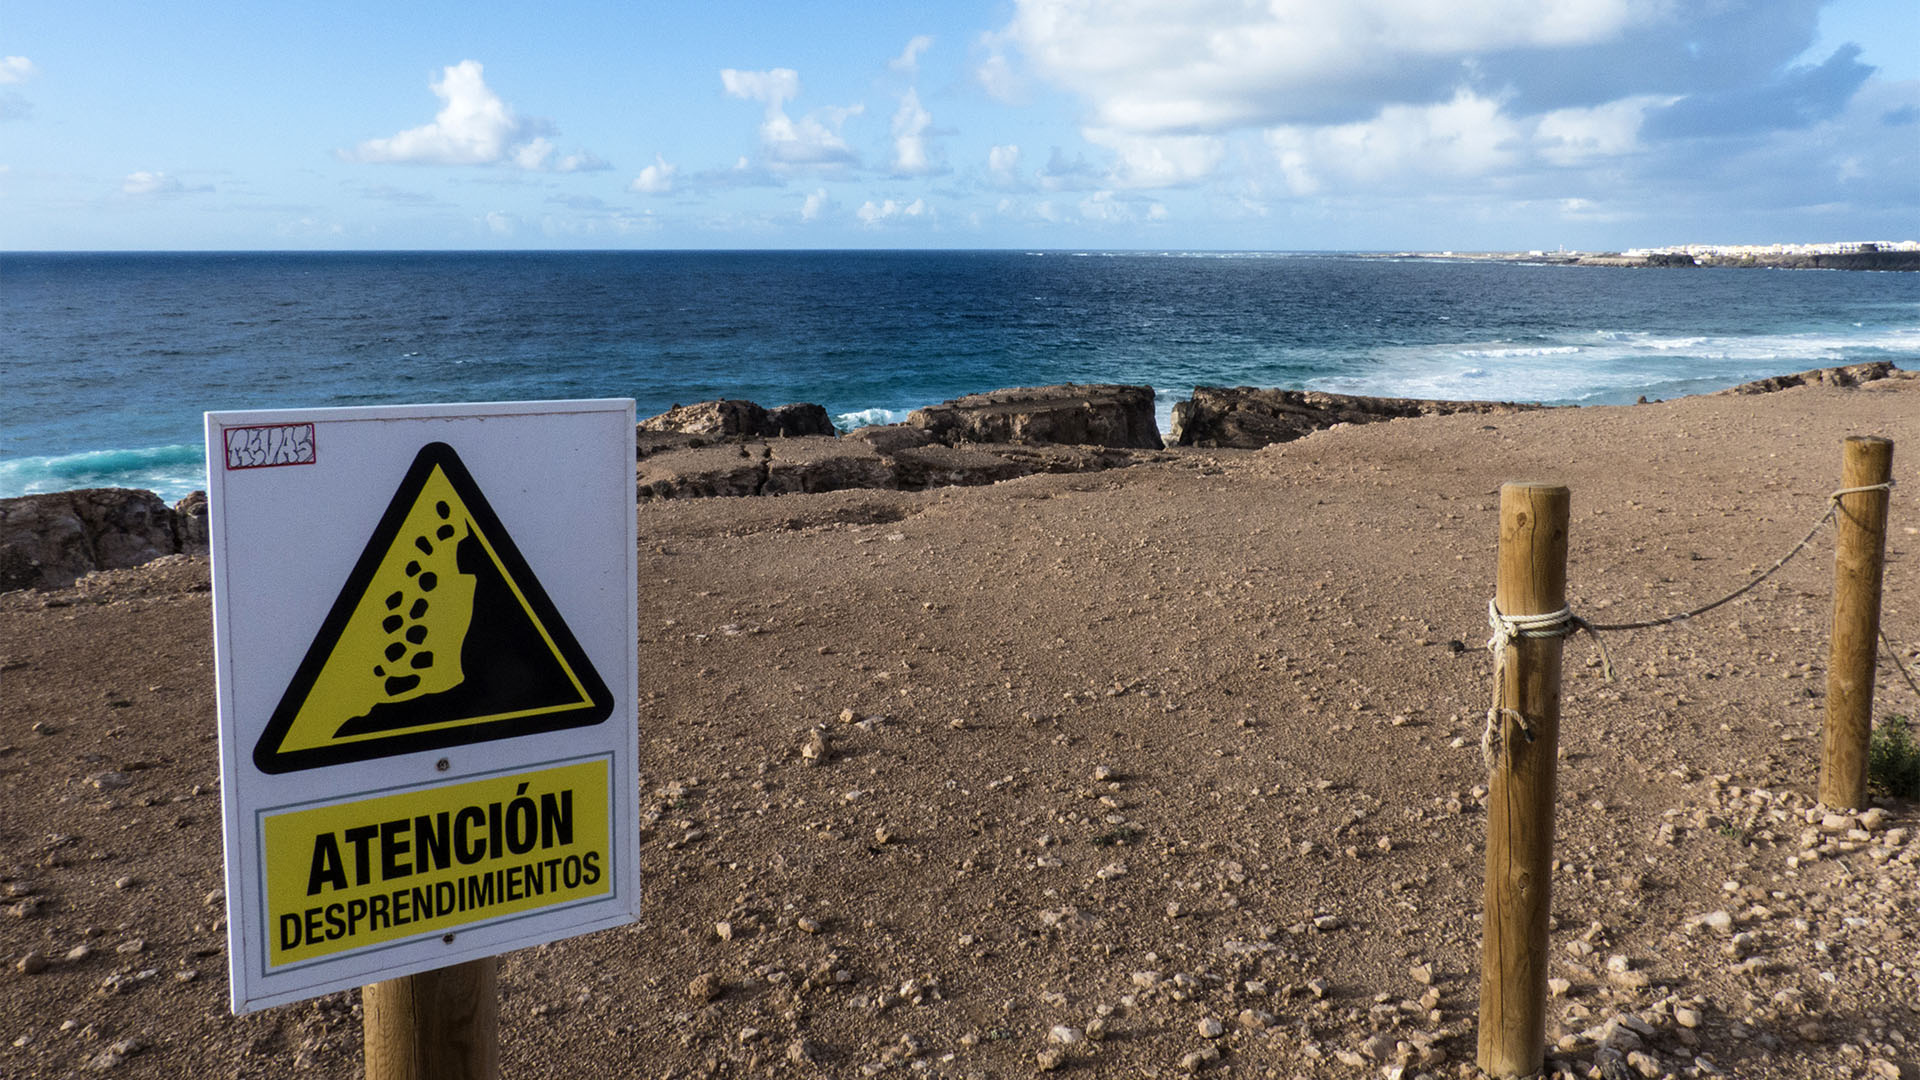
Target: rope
(1833,507)
(1508,628)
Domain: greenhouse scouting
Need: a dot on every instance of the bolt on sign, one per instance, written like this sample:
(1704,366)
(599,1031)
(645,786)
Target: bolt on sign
(424,642)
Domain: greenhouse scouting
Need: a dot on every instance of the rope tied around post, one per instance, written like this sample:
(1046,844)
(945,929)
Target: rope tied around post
(1506,629)
(1563,623)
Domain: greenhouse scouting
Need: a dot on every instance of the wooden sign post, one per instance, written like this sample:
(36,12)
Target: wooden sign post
(1858,559)
(436,1025)
(1532,580)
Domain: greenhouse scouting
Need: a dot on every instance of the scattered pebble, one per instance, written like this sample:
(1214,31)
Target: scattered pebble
(1199,1059)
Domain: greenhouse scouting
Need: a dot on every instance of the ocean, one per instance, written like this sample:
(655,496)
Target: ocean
(108,360)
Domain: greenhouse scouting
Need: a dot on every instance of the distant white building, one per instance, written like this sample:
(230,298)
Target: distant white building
(1761,251)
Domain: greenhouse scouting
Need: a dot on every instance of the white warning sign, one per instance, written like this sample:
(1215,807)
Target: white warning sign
(427,664)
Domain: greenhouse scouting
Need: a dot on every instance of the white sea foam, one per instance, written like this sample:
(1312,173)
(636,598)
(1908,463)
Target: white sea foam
(168,471)
(860,418)
(1608,366)
(1164,399)
(1523,350)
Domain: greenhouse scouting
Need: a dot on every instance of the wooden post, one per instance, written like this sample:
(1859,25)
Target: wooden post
(1858,556)
(437,1025)
(1513,960)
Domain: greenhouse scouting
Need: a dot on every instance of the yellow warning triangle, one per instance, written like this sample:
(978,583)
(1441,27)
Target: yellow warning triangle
(441,636)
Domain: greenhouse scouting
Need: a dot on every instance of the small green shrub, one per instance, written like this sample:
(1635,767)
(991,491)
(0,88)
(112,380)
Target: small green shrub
(1893,758)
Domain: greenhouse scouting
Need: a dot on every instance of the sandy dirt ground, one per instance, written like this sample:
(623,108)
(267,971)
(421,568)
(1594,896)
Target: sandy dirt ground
(1161,771)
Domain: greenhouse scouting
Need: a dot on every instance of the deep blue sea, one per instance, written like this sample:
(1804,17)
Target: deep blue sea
(108,360)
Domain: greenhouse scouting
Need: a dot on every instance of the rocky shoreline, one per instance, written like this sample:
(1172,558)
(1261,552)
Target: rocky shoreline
(733,448)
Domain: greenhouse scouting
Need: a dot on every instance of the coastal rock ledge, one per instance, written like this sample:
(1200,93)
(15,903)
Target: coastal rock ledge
(723,448)
(1247,417)
(49,541)
(731,418)
(1116,417)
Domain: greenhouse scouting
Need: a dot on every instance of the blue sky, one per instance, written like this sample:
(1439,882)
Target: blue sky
(1290,124)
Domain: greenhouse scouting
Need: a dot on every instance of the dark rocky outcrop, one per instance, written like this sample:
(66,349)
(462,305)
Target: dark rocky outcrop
(1847,375)
(810,464)
(1113,416)
(894,457)
(1247,418)
(706,471)
(732,418)
(891,439)
(648,443)
(190,524)
(800,418)
(49,541)
(1834,260)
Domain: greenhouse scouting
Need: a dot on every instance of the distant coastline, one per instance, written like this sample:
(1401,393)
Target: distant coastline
(1903,255)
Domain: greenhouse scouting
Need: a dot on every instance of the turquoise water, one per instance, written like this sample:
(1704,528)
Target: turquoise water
(108,360)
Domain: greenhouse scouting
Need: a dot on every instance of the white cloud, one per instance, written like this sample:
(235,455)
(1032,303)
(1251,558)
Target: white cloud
(1109,208)
(149,183)
(145,184)
(533,154)
(15,69)
(598,222)
(872,213)
(501,224)
(1078,174)
(1100,206)
(1469,136)
(1576,136)
(1174,66)
(743,173)
(657,178)
(812,140)
(1160,161)
(817,204)
(773,88)
(908,62)
(911,156)
(995,72)
(1003,166)
(473,127)
(581,161)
